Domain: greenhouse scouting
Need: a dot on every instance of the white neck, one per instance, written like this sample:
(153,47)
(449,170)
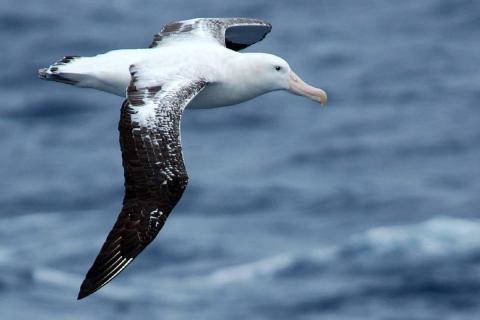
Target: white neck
(246,76)
(241,82)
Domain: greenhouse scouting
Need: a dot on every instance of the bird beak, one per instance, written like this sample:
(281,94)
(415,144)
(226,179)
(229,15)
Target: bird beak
(299,87)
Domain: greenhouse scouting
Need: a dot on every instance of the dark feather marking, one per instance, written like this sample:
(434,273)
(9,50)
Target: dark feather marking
(67,59)
(59,78)
(152,91)
(235,46)
(177,27)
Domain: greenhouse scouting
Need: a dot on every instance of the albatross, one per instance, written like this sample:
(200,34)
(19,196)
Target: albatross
(190,64)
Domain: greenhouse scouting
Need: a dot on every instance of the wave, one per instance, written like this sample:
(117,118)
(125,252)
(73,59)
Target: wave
(436,242)
(436,238)
(56,277)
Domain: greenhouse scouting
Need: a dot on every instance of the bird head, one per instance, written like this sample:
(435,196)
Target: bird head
(276,74)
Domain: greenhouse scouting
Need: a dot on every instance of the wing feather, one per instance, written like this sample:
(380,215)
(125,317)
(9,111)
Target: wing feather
(233,33)
(155,174)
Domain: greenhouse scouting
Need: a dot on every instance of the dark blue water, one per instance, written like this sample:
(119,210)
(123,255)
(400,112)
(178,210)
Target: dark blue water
(366,209)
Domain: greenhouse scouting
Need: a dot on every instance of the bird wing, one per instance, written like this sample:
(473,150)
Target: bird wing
(233,33)
(155,175)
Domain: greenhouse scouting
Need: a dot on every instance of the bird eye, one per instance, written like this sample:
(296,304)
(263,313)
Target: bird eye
(278,68)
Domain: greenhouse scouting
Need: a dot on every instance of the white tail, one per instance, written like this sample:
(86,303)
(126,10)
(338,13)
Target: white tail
(58,72)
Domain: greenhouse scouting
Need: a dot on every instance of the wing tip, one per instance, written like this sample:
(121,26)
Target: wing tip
(83,294)
(91,285)
(87,288)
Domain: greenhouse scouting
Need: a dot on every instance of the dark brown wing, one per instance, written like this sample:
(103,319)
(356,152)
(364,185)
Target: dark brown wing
(233,33)
(155,175)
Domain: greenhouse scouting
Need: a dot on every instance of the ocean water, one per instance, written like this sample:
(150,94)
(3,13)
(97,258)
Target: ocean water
(366,209)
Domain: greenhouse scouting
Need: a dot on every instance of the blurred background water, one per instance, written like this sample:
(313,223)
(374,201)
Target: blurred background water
(366,209)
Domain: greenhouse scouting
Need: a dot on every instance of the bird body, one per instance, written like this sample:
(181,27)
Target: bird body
(192,63)
(229,73)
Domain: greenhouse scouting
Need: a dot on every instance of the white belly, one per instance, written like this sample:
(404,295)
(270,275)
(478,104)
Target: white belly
(222,94)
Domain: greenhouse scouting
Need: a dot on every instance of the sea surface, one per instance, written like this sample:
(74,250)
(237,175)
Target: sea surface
(368,208)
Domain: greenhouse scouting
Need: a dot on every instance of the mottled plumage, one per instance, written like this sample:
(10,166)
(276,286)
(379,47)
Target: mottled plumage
(155,175)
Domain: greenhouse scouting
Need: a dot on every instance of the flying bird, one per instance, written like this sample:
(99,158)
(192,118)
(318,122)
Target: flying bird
(192,63)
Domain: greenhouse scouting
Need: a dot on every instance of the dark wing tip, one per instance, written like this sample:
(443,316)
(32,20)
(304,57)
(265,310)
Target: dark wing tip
(100,274)
(240,36)
(86,289)
(83,293)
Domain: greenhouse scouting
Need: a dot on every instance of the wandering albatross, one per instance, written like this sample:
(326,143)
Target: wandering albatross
(192,63)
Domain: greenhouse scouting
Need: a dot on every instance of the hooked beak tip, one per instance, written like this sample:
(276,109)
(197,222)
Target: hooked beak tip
(322,97)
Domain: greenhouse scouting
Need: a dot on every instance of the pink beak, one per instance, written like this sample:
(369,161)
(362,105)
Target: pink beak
(299,87)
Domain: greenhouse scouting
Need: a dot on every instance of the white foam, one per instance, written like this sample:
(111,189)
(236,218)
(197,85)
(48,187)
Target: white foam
(270,266)
(251,270)
(442,237)
(72,282)
(56,277)
(436,237)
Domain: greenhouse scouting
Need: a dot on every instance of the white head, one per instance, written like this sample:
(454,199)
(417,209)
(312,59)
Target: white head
(273,73)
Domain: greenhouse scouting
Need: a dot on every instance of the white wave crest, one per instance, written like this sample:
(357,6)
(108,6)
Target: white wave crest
(437,237)
(441,238)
